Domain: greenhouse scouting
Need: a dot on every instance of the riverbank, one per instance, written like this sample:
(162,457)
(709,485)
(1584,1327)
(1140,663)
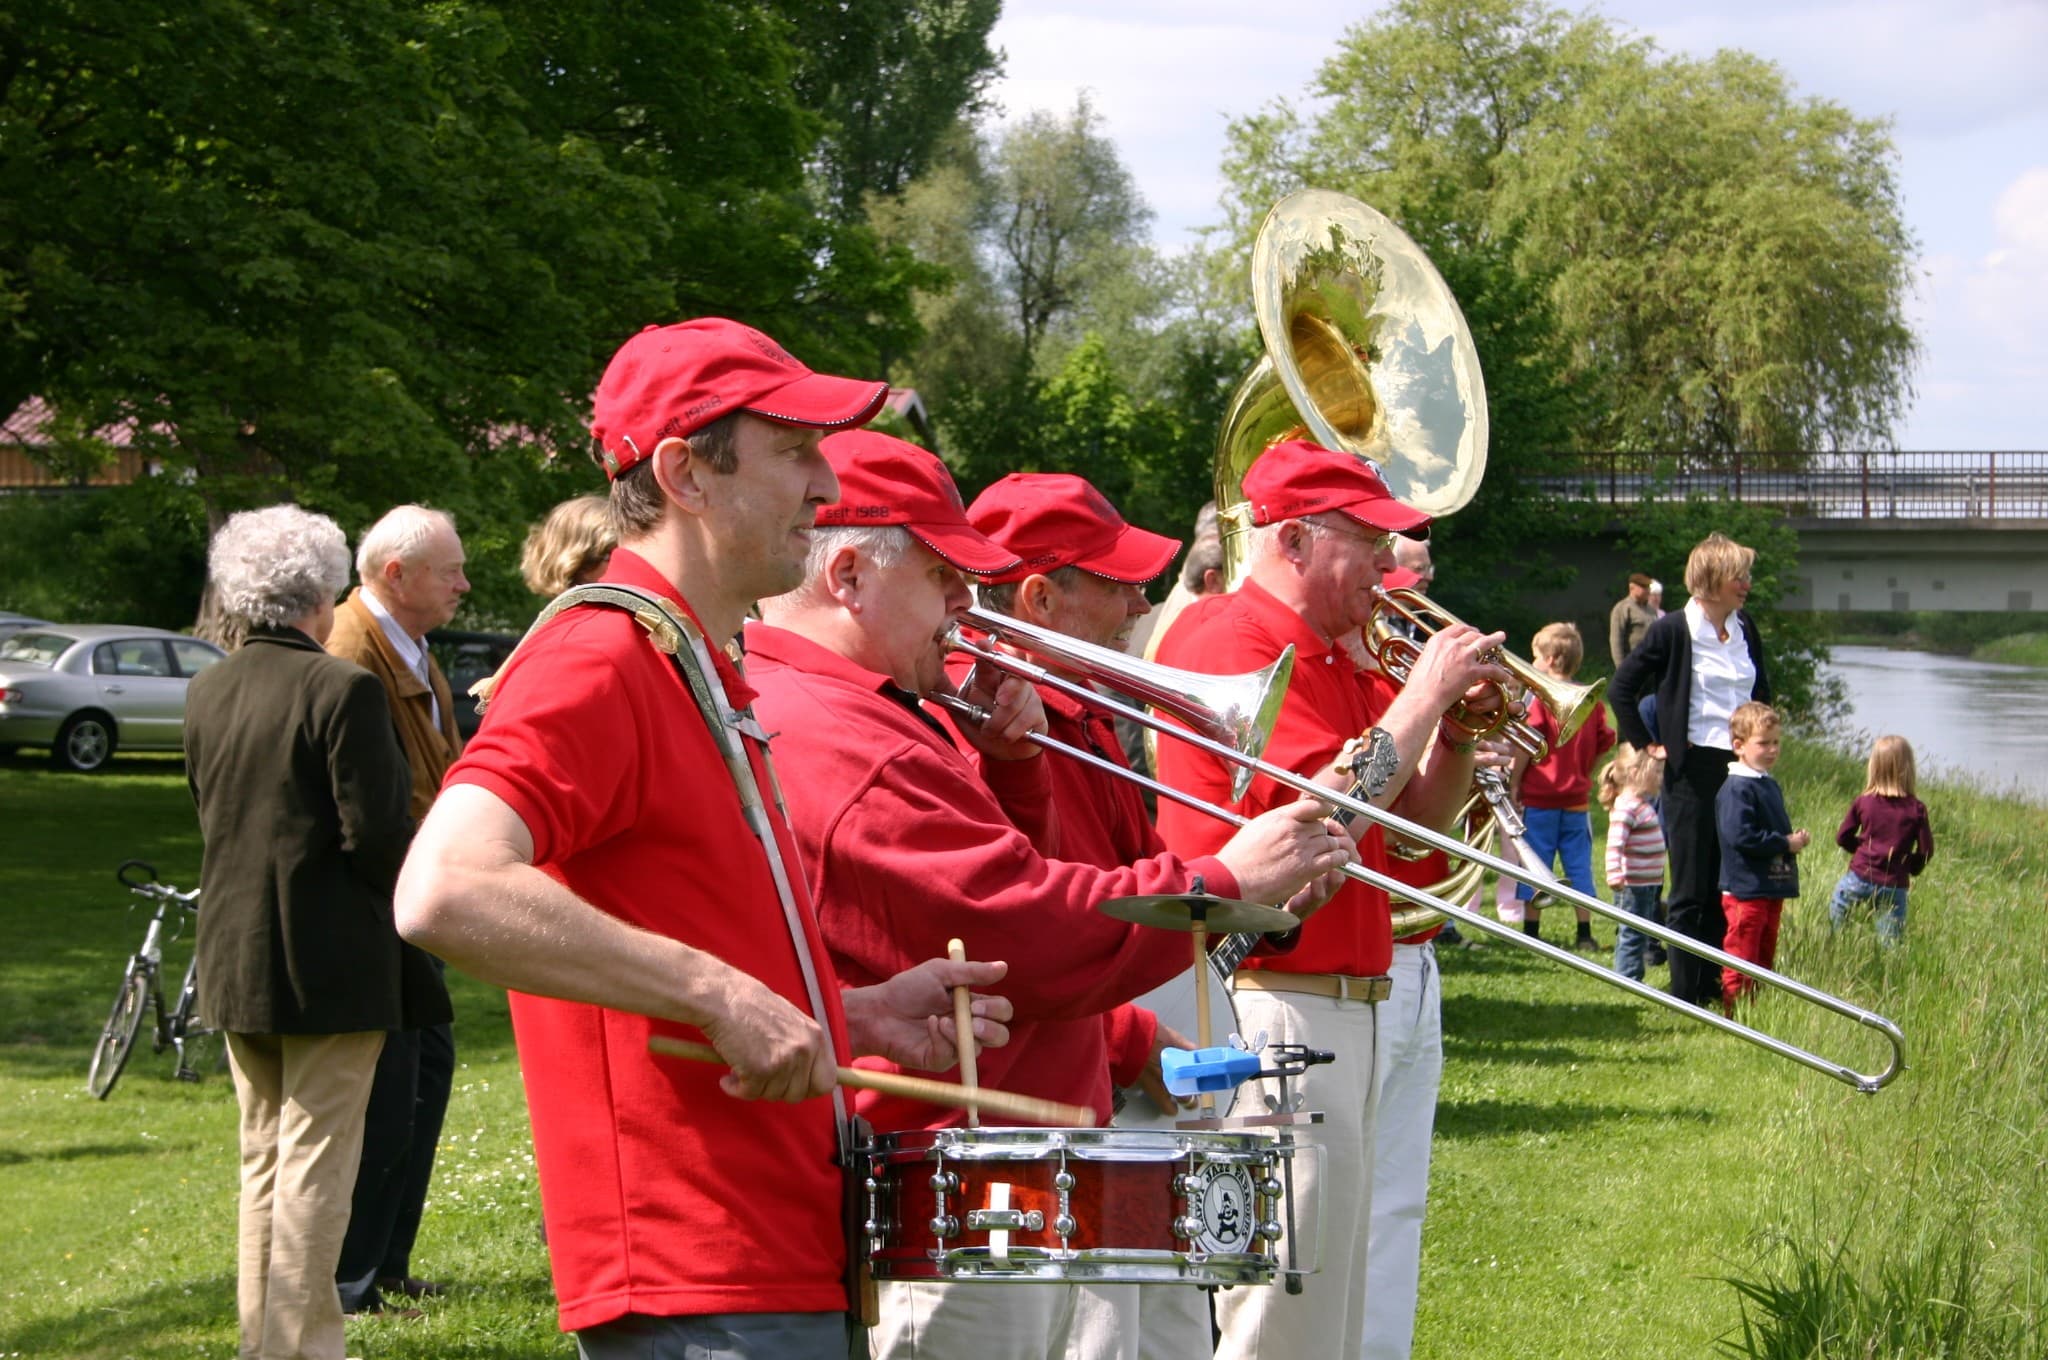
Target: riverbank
(1976,635)
(1610,1180)
(2025,649)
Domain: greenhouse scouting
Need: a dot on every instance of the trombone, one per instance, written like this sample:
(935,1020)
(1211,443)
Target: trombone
(1058,658)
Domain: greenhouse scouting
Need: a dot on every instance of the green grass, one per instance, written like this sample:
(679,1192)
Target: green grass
(2023,649)
(1610,1180)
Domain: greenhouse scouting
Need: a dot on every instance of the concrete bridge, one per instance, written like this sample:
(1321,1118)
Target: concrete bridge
(1877,531)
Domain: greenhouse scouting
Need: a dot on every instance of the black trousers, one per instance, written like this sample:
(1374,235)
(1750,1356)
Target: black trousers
(1694,901)
(408,1100)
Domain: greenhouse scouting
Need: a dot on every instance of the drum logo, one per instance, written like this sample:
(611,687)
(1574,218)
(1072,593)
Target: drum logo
(1225,1208)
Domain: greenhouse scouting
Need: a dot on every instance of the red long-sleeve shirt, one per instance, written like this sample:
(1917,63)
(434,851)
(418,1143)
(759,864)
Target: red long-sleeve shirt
(905,846)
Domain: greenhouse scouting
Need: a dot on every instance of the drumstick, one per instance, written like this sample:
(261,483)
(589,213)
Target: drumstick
(963,1022)
(926,1089)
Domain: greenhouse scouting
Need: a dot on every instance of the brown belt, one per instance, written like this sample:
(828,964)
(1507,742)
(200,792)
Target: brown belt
(1367,990)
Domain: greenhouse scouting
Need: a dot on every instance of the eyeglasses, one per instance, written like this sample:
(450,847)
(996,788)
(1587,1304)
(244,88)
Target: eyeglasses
(1381,543)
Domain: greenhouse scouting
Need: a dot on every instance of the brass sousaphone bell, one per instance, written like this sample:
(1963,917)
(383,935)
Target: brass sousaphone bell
(1368,355)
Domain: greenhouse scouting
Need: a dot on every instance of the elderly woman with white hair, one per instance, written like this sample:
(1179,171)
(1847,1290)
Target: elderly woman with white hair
(302,790)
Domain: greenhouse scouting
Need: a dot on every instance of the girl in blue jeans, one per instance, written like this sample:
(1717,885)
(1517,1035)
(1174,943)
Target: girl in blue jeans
(1635,849)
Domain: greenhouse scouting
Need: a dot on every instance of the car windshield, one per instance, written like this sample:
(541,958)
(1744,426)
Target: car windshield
(39,649)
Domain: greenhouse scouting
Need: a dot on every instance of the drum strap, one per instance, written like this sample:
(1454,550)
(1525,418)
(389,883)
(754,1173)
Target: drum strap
(676,636)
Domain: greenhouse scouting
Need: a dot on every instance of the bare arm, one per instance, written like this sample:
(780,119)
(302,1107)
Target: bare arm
(469,892)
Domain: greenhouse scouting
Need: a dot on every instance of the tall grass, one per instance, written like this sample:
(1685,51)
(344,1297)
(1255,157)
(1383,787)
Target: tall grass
(1609,1181)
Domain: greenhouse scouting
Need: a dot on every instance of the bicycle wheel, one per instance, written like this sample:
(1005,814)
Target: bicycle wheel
(117,1040)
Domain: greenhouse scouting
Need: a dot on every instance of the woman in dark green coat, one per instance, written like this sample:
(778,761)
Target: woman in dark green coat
(302,794)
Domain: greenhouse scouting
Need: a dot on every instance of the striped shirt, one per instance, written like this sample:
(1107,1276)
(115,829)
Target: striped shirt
(1635,842)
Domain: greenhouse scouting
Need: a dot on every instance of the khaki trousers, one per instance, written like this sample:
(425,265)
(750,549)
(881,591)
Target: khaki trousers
(1325,1320)
(1010,1321)
(302,1098)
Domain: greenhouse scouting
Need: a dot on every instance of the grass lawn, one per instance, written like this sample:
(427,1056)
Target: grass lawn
(1610,1180)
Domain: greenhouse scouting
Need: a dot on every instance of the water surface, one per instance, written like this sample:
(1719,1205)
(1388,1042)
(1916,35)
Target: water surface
(1977,719)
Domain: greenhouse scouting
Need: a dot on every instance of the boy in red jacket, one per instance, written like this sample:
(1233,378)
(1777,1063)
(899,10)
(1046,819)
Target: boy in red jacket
(1555,792)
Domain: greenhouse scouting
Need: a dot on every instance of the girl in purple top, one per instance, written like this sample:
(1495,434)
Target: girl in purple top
(1888,839)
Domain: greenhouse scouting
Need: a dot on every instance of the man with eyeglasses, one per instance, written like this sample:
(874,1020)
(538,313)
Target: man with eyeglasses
(1322,536)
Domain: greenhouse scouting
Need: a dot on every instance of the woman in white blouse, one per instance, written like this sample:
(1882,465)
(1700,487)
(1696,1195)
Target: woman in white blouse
(1702,662)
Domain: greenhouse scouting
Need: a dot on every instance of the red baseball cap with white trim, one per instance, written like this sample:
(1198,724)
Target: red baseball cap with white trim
(671,381)
(1055,519)
(884,480)
(1298,478)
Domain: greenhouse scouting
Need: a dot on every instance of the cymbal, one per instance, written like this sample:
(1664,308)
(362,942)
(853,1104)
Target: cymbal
(1176,911)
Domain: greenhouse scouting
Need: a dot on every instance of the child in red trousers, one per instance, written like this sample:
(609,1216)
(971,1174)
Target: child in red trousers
(1759,868)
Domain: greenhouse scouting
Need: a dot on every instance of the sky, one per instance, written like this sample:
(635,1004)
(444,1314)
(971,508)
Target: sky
(1962,82)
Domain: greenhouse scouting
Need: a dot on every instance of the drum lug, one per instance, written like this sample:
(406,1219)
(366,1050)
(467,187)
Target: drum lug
(1064,1226)
(1187,1227)
(1270,1187)
(944,1226)
(1270,1230)
(945,1182)
(1187,1185)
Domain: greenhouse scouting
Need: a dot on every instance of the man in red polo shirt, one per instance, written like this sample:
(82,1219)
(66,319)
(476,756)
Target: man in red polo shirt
(907,845)
(592,852)
(1324,526)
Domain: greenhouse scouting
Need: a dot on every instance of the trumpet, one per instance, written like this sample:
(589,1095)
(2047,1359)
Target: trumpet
(1095,675)
(1395,653)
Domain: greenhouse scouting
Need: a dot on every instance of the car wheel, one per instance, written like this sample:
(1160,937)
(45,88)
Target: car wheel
(84,743)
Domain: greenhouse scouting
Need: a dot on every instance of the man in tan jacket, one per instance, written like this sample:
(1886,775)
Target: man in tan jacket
(410,565)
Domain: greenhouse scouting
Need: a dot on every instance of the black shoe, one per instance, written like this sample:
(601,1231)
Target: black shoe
(1655,957)
(1586,944)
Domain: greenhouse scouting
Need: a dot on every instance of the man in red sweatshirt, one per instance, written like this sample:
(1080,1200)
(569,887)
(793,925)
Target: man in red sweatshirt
(904,845)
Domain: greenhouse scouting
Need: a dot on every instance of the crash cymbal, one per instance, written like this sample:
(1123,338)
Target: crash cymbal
(1177,911)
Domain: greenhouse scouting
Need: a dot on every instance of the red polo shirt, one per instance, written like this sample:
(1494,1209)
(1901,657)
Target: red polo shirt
(1326,706)
(906,846)
(662,1194)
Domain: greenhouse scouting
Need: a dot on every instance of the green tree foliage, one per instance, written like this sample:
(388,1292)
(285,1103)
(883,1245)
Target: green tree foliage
(1726,263)
(891,80)
(378,252)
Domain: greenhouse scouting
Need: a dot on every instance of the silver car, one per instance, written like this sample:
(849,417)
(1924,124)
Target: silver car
(86,690)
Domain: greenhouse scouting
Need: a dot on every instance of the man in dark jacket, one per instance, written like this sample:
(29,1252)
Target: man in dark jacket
(301,789)
(410,565)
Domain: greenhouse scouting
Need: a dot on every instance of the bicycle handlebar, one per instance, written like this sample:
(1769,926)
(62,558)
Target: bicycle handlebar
(151,888)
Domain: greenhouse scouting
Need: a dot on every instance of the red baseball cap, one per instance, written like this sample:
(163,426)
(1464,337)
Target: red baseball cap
(1055,519)
(672,381)
(884,480)
(1299,478)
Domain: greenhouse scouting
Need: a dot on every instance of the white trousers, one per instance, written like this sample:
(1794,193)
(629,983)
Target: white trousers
(1411,1066)
(1325,1320)
(1006,1321)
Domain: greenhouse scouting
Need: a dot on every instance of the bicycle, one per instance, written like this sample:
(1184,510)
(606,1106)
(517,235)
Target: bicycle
(179,1026)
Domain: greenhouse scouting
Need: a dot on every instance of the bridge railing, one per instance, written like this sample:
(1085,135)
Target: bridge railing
(1838,485)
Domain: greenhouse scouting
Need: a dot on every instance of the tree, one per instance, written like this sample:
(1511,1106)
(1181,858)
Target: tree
(1726,265)
(891,81)
(1064,217)
(363,254)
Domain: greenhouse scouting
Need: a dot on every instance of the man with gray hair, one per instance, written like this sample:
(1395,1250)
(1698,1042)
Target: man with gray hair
(301,791)
(410,566)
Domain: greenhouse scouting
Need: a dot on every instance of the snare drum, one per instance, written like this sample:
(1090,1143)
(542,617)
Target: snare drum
(1132,1206)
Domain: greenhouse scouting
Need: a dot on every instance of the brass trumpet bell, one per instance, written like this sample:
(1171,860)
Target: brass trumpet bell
(1366,353)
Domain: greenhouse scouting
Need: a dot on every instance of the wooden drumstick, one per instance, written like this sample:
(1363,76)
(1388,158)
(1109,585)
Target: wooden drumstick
(963,1022)
(927,1089)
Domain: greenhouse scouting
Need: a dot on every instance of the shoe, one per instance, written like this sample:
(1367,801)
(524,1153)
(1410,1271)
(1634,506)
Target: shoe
(1586,944)
(1655,957)
(410,1287)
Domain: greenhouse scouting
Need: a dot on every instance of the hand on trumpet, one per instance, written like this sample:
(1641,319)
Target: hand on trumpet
(1462,665)
(1014,711)
(909,1018)
(1278,853)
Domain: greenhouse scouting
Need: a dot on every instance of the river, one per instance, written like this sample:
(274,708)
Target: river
(1985,722)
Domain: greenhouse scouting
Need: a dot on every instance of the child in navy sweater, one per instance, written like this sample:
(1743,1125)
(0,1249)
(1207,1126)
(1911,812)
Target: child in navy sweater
(1758,847)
